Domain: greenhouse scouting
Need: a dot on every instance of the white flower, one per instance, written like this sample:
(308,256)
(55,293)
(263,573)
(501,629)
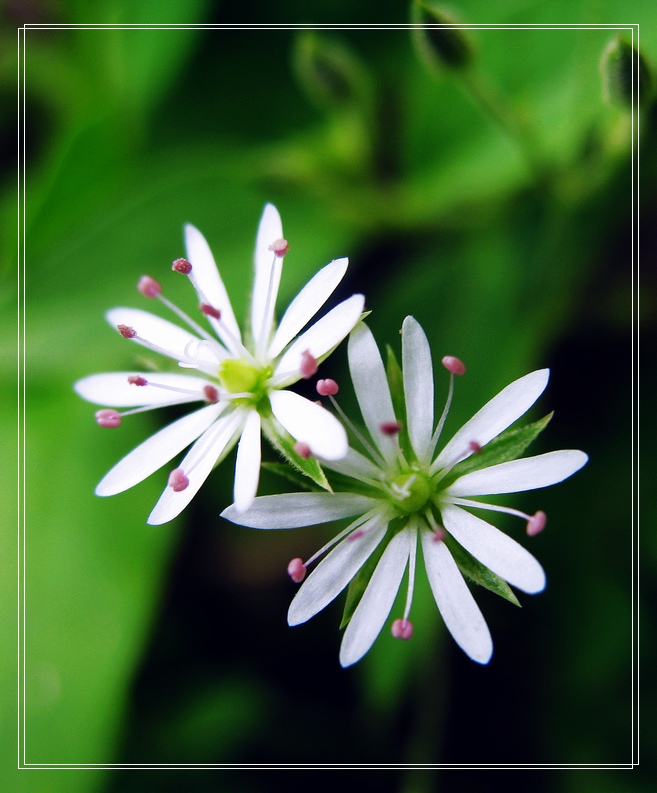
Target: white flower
(241,382)
(404,494)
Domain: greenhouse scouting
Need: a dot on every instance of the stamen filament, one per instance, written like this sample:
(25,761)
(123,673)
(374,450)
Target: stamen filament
(372,517)
(466,502)
(411,572)
(265,330)
(374,454)
(443,417)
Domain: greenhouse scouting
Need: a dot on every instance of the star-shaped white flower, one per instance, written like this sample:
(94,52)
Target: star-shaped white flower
(242,382)
(405,494)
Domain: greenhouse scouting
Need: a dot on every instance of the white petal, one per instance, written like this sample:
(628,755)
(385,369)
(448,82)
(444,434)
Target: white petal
(499,552)
(170,339)
(514,476)
(371,385)
(247,465)
(157,450)
(206,278)
(200,460)
(417,370)
(354,465)
(321,338)
(457,607)
(335,571)
(307,303)
(267,279)
(310,423)
(374,607)
(495,416)
(114,390)
(294,510)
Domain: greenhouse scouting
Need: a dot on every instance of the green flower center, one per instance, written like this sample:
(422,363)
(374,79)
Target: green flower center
(239,377)
(410,491)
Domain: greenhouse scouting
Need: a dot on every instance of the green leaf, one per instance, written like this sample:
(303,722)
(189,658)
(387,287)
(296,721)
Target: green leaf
(507,446)
(479,573)
(284,444)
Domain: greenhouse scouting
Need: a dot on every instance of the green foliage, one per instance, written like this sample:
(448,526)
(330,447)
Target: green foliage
(478,573)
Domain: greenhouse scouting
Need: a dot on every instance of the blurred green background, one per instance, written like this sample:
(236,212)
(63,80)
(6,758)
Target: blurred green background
(495,204)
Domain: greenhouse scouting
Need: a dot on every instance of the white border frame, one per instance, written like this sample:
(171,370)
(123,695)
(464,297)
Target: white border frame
(634,29)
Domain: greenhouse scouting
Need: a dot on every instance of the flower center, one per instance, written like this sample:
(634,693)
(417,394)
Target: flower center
(239,377)
(410,491)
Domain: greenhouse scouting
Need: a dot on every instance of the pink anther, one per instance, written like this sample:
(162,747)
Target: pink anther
(438,534)
(149,287)
(302,449)
(126,331)
(210,311)
(178,480)
(536,523)
(211,394)
(280,247)
(327,387)
(474,447)
(308,365)
(453,364)
(296,570)
(402,629)
(390,428)
(137,379)
(182,266)
(108,418)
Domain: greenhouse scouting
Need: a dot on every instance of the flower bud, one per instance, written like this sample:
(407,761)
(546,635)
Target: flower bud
(329,72)
(439,39)
(626,74)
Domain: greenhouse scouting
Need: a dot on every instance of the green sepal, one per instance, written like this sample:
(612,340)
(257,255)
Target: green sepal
(478,573)
(507,446)
(286,471)
(284,443)
(359,582)
(396,385)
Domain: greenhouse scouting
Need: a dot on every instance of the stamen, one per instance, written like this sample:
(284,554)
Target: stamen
(443,417)
(182,266)
(210,311)
(302,449)
(438,531)
(374,454)
(390,428)
(309,365)
(474,447)
(108,418)
(137,379)
(126,331)
(211,394)
(280,247)
(402,629)
(149,287)
(327,387)
(536,523)
(296,570)
(178,481)
(453,364)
